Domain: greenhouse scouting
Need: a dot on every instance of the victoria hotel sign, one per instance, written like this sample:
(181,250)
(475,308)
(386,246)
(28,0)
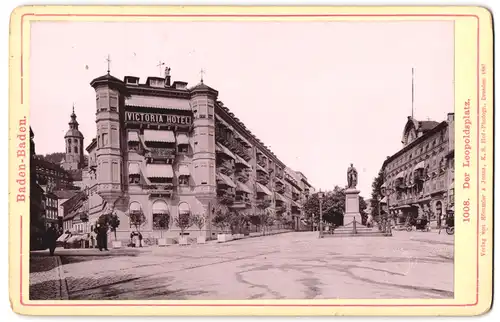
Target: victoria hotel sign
(153,118)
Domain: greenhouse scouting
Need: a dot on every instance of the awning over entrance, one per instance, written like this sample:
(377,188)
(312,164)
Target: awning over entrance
(182,138)
(158,102)
(263,189)
(159,171)
(242,161)
(184,170)
(159,136)
(160,207)
(222,149)
(133,136)
(419,165)
(243,187)
(134,169)
(226,180)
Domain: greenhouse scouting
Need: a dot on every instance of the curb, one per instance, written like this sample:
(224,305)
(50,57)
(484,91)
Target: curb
(63,284)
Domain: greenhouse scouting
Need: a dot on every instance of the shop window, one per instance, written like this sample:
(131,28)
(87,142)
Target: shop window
(183,148)
(183,181)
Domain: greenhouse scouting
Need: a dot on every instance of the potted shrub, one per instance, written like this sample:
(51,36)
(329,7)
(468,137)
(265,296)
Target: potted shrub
(137,219)
(161,222)
(199,221)
(114,223)
(183,221)
(221,221)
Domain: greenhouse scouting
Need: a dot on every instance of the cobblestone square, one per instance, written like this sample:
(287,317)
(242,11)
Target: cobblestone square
(286,266)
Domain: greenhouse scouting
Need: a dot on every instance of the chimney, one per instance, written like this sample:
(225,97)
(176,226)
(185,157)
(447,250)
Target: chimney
(451,117)
(167,76)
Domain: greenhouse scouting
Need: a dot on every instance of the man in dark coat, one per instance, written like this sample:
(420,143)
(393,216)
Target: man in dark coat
(102,237)
(51,239)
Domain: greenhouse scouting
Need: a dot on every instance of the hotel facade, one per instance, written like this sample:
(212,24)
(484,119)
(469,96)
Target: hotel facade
(165,149)
(420,177)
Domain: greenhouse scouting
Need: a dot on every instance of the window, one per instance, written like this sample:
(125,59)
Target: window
(76,149)
(183,181)
(183,148)
(69,149)
(104,139)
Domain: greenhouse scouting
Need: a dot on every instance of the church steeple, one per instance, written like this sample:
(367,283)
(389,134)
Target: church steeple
(74,145)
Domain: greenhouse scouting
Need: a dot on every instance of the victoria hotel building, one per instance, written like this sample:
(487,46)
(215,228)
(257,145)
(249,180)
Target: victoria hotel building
(420,177)
(163,148)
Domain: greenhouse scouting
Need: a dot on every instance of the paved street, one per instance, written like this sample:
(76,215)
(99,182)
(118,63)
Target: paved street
(286,266)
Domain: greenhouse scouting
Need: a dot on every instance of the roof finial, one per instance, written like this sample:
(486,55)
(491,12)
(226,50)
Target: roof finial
(73,108)
(201,74)
(109,63)
(160,63)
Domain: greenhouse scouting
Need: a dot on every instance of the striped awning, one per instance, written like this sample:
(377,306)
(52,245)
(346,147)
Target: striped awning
(133,136)
(160,207)
(159,171)
(135,206)
(184,170)
(159,136)
(419,165)
(133,169)
(158,102)
(280,197)
(242,139)
(260,168)
(222,149)
(263,189)
(243,187)
(184,208)
(226,180)
(224,123)
(182,138)
(240,160)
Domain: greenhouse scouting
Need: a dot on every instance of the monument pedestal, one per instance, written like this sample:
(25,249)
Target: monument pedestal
(352,206)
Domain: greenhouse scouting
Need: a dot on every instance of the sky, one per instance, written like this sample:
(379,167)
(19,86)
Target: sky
(321,95)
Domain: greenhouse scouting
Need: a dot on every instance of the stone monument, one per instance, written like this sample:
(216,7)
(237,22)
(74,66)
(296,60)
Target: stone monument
(352,197)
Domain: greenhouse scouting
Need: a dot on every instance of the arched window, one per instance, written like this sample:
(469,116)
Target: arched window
(184,209)
(161,215)
(136,215)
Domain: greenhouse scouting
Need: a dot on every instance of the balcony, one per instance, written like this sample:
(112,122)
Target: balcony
(280,188)
(280,207)
(295,196)
(161,153)
(225,167)
(242,175)
(419,176)
(160,190)
(263,178)
(262,162)
(279,175)
(241,201)
(295,209)
(232,144)
(263,203)
(225,196)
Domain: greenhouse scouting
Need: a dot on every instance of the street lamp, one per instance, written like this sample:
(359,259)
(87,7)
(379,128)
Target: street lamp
(386,192)
(320,197)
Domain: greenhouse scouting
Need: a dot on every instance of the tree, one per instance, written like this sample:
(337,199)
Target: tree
(55,157)
(184,221)
(362,207)
(376,194)
(221,219)
(198,221)
(161,221)
(137,219)
(113,222)
(333,206)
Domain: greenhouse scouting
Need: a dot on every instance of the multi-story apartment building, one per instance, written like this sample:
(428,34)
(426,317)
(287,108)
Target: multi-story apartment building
(163,148)
(420,176)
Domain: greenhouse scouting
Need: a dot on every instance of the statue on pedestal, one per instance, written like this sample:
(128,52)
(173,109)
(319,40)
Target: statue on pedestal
(352,177)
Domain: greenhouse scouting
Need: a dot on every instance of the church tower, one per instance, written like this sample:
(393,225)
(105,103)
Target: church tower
(109,103)
(202,103)
(73,159)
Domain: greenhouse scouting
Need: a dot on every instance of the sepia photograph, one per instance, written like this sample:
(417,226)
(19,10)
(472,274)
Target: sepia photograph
(241,160)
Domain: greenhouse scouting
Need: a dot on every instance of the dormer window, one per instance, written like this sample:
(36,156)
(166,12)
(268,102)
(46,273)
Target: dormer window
(130,80)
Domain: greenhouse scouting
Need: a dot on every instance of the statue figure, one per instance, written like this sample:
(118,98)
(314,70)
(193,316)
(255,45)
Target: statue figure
(352,177)
(167,71)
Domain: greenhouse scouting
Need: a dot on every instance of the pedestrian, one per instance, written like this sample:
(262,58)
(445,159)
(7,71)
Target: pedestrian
(140,240)
(103,232)
(51,239)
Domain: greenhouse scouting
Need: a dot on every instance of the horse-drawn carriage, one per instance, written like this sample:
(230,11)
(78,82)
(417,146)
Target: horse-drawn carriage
(421,224)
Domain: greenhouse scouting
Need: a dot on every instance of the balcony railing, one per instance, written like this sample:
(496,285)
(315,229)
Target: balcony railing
(225,196)
(161,153)
(234,145)
(241,200)
(263,203)
(279,175)
(263,178)
(295,209)
(225,167)
(160,189)
(262,163)
(242,175)
(295,196)
(280,189)
(280,209)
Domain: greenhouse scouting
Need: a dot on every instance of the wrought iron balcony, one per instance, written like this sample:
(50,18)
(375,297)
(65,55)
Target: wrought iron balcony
(280,189)
(279,175)
(263,203)
(262,163)
(262,178)
(295,196)
(280,209)
(161,153)
(242,175)
(225,196)
(225,167)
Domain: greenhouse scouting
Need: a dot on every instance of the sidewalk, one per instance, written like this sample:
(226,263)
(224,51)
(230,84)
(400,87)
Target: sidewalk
(47,279)
(87,252)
